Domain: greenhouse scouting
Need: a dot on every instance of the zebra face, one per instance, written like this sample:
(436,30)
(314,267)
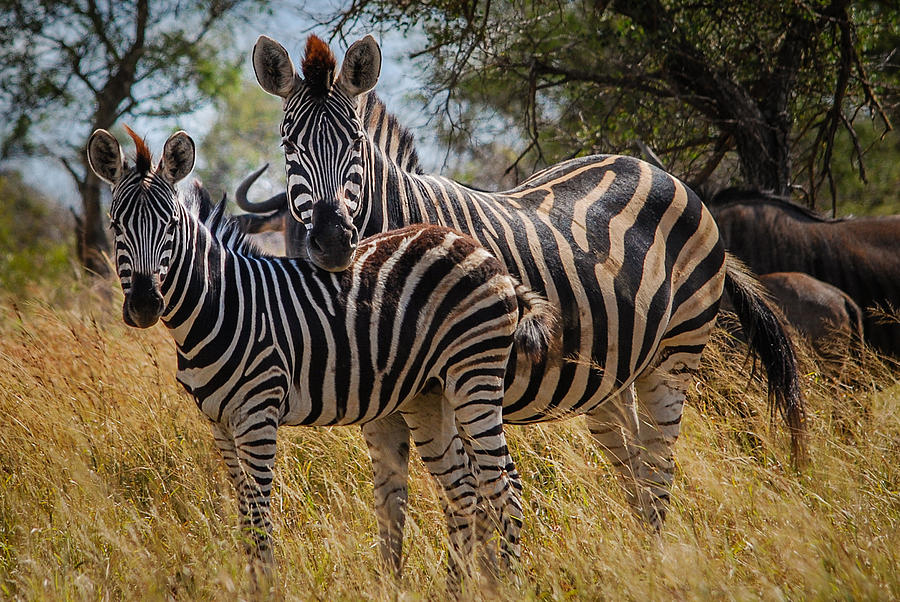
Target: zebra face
(323,142)
(323,139)
(143,220)
(143,216)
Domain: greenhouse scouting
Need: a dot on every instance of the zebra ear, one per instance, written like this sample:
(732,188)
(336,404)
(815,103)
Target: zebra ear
(274,70)
(178,157)
(361,67)
(105,156)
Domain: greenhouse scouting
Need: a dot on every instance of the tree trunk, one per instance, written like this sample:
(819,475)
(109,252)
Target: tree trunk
(760,129)
(760,132)
(94,245)
(764,155)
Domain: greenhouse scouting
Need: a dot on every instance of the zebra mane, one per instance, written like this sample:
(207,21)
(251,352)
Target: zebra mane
(318,66)
(221,225)
(384,128)
(142,157)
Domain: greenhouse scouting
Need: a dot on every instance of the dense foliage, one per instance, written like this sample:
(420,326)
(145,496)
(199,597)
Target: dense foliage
(68,67)
(35,238)
(741,92)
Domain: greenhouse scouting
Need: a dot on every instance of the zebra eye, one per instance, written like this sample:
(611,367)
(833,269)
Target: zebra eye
(290,146)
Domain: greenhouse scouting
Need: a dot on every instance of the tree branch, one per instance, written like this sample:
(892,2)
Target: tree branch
(99,25)
(828,129)
(638,82)
(79,179)
(724,145)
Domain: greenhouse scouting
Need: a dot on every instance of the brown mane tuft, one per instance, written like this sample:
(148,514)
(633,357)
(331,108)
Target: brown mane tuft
(318,66)
(142,158)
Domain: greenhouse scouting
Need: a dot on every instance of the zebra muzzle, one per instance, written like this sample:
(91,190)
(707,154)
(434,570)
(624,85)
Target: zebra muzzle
(143,304)
(332,240)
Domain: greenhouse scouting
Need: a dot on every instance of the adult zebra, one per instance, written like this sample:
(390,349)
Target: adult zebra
(264,342)
(631,257)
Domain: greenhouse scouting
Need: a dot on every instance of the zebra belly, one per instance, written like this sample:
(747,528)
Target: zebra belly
(533,395)
(300,410)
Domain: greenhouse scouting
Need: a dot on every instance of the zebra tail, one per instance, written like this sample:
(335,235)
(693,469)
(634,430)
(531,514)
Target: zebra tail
(536,331)
(764,326)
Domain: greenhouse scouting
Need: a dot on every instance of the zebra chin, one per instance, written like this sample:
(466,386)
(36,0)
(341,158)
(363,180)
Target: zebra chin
(140,316)
(333,259)
(333,252)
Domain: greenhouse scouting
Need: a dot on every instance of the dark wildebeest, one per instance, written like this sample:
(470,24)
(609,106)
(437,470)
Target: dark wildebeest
(829,319)
(860,256)
(267,216)
(271,215)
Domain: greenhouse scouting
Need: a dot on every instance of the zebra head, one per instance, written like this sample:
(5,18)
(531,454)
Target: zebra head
(323,138)
(143,216)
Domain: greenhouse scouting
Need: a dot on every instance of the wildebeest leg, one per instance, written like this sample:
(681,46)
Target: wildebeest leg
(434,431)
(614,426)
(388,442)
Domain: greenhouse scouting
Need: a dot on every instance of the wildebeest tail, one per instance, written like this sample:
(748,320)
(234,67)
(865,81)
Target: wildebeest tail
(536,330)
(765,330)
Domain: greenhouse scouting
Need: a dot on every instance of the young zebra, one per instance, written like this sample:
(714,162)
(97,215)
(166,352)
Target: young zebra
(421,327)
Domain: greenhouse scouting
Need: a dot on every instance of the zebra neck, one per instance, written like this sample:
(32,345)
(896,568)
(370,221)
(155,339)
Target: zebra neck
(193,286)
(396,197)
(211,287)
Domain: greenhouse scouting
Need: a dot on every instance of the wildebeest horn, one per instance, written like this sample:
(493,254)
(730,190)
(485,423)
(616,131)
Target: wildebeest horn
(279,201)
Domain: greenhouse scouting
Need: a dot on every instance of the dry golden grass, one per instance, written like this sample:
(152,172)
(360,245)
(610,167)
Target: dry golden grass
(110,488)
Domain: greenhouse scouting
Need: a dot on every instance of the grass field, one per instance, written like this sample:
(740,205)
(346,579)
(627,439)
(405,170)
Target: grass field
(110,488)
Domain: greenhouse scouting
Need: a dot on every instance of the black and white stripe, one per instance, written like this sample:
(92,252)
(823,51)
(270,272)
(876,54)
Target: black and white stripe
(319,131)
(419,328)
(629,255)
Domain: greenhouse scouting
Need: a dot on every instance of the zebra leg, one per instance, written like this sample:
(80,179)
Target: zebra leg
(486,520)
(614,426)
(388,442)
(434,432)
(661,394)
(499,485)
(248,448)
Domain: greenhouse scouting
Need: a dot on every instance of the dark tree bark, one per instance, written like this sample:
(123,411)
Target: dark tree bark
(93,244)
(758,121)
